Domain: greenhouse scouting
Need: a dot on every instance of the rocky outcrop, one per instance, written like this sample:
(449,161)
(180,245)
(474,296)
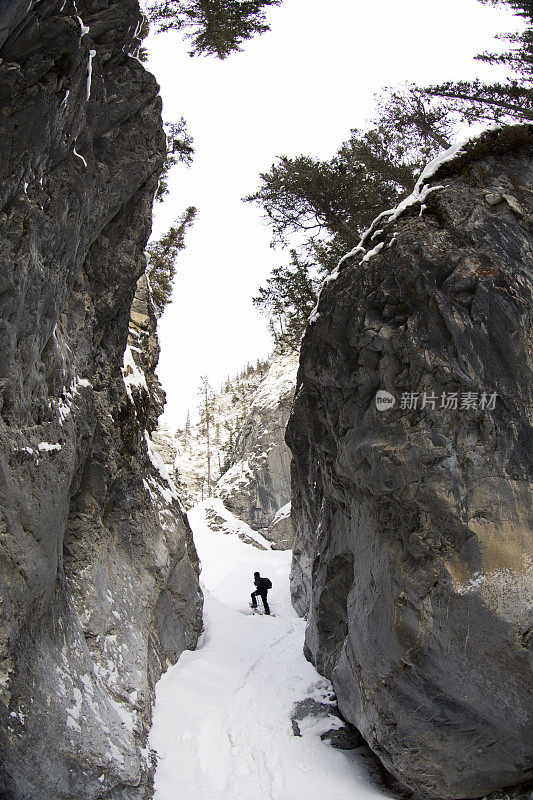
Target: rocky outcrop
(99,577)
(249,460)
(257,485)
(219,520)
(413,548)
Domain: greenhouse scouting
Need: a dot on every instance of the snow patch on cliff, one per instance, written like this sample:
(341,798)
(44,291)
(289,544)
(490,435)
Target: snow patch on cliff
(132,374)
(283,513)
(279,381)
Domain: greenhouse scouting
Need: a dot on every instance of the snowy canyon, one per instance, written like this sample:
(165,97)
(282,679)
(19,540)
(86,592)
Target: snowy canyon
(405,625)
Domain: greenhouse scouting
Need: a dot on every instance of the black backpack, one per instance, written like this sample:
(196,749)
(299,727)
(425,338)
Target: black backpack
(267,583)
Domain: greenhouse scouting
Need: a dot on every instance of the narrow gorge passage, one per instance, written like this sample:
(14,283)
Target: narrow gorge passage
(222,726)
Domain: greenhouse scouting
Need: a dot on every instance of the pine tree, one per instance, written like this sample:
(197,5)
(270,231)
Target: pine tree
(342,196)
(410,122)
(214,27)
(162,255)
(331,203)
(511,100)
(180,150)
(288,298)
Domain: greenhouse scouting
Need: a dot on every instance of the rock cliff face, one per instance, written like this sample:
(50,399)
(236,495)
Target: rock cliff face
(413,549)
(250,462)
(185,450)
(257,485)
(99,576)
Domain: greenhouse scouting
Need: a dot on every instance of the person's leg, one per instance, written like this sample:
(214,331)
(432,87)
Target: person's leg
(265,603)
(254,599)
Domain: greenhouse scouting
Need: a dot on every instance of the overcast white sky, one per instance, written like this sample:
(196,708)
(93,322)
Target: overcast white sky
(297,89)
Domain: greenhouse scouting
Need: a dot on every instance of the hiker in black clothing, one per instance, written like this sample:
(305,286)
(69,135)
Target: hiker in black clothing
(263,585)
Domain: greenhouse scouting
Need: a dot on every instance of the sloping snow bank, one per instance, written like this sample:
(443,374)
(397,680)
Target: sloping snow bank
(222,727)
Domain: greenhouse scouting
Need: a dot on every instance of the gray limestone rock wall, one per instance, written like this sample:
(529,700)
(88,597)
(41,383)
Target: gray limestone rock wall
(98,576)
(413,545)
(257,485)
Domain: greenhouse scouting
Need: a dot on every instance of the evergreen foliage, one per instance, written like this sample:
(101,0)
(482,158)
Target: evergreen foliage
(162,255)
(512,100)
(288,298)
(214,27)
(141,53)
(207,410)
(411,123)
(330,203)
(180,150)
(336,197)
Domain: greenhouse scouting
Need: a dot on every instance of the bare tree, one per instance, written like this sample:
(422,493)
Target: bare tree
(207,402)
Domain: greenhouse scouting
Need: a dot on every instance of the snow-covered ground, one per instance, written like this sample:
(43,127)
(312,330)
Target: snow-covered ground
(222,728)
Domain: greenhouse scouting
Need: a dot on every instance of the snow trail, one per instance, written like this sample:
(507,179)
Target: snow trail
(222,728)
